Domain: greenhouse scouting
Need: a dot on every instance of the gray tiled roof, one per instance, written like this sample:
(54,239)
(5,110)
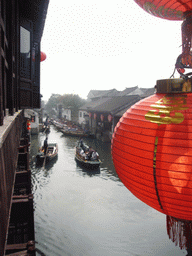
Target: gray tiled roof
(128,91)
(102,93)
(147,91)
(91,104)
(115,104)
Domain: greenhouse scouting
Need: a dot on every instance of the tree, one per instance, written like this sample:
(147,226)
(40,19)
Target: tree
(52,104)
(72,101)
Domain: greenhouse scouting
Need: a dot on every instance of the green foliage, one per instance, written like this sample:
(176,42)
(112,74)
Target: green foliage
(72,101)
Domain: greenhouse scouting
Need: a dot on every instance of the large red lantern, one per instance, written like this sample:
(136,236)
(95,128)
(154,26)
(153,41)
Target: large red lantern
(152,142)
(152,149)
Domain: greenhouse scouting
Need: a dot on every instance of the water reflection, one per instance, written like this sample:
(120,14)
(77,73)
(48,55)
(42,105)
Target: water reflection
(180,233)
(47,166)
(78,212)
(85,171)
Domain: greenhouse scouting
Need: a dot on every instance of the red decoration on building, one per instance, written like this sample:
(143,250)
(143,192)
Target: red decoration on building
(95,116)
(43,56)
(102,117)
(28,125)
(167,9)
(109,118)
(152,152)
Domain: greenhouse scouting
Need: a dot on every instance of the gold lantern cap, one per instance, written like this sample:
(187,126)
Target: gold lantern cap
(174,85)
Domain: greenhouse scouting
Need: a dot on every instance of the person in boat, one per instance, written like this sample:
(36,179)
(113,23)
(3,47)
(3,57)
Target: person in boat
(45,145)
(95,155)
(46,122)
(90,153)
(81,143)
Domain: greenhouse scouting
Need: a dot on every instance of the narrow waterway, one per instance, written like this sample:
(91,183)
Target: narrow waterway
(81,213)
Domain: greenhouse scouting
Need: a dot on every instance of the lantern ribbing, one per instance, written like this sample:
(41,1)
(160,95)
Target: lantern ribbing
(152,152)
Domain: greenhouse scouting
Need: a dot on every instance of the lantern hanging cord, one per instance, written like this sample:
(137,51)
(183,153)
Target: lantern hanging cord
(172,76)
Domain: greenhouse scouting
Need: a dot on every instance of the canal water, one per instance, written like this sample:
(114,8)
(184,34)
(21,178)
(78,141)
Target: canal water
(81,213)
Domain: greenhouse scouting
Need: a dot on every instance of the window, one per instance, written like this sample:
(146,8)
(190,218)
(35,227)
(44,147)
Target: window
(33,119)
(25,53)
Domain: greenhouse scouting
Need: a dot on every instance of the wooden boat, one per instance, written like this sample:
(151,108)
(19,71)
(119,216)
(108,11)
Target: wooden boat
(52,152)
(74,133)
(85,159)
(46,129)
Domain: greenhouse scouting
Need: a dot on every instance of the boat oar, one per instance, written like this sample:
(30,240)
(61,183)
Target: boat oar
(45,159)
(45,129)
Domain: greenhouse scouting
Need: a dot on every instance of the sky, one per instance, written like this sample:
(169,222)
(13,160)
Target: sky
(105,44)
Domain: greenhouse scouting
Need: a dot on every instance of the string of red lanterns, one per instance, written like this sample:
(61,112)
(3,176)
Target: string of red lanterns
(152,142)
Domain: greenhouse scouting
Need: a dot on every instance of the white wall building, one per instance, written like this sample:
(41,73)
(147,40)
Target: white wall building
(82,115)
(66,113)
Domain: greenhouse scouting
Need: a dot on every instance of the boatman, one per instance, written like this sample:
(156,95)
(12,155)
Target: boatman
(82,144)
(91,150)
(45,145)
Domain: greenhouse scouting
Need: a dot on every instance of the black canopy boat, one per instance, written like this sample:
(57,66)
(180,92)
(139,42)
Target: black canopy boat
(86,156)
(51,153)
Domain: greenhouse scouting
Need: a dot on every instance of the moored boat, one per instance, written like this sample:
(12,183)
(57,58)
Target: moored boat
(52,152)
(75,133)
(87,157)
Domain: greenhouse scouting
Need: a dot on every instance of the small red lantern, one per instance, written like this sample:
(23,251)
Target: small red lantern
(28,125)
(174,10)
(152,149)
(102,117)
(43,56)
(109,118)
(167,9)
(95,116)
